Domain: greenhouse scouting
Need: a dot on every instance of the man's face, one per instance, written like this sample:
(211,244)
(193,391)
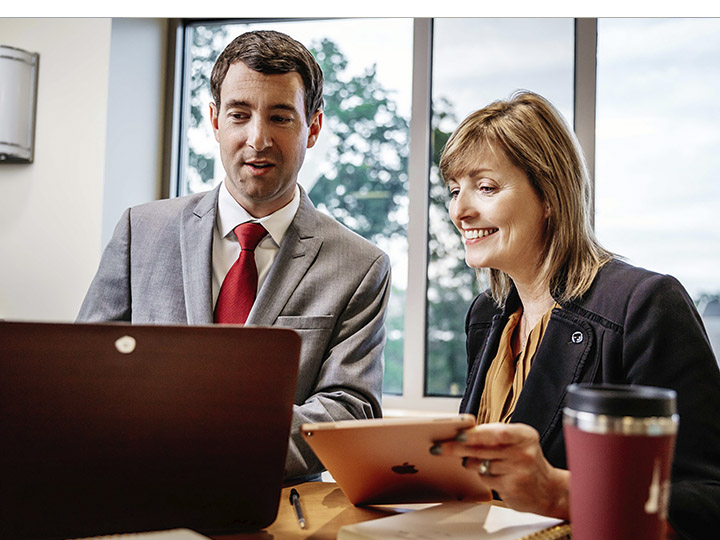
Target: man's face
(263,135)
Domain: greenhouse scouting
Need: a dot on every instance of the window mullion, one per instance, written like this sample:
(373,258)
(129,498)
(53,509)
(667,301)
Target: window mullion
(418,172)
(585,93)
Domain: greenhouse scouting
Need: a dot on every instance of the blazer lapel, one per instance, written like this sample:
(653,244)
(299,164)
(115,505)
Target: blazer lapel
(559,361)
(299,249)
(486,353)
(196,238)
(471,401)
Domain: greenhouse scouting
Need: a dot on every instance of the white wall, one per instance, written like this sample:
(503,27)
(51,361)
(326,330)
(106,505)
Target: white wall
(51,222)
(133,164)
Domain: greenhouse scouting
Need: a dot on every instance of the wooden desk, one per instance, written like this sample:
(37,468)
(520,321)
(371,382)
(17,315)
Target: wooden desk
(326,509)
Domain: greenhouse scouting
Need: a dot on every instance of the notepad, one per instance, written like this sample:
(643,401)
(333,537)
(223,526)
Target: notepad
(459,521)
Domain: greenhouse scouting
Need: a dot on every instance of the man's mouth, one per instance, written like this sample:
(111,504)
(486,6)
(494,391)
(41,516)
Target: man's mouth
(472,234)
(259,165)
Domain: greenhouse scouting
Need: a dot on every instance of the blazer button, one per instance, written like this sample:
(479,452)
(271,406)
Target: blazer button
(577,337)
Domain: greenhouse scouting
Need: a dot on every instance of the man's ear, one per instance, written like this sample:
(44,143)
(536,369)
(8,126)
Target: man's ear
(214,119)
(314,128)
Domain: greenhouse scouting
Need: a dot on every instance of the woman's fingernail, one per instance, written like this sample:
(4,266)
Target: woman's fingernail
(461,437)
(436,449)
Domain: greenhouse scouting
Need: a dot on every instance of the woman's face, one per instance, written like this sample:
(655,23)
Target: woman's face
(499,215)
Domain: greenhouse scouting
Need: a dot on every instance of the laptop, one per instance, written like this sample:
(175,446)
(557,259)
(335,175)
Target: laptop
(113,428)
(388,460)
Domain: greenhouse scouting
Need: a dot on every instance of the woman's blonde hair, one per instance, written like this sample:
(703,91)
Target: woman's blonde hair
(536,138)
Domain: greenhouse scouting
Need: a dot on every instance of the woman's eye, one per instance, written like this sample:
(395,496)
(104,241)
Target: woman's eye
(453,192)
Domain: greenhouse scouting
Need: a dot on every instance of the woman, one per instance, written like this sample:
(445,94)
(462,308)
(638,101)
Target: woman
(561,309)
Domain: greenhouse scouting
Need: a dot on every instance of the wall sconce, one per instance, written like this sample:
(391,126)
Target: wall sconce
(18,97)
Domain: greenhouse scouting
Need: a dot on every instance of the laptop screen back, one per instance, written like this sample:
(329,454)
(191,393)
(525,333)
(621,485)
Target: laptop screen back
(111,428)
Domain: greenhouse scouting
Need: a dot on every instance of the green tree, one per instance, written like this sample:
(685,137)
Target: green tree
(367,183)
(207,43)
(366,187)
(451,284)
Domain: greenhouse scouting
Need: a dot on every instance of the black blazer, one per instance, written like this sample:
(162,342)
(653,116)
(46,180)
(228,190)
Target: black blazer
(632,326)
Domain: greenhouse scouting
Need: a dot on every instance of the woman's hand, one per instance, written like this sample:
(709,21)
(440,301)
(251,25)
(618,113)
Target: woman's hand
(514,467)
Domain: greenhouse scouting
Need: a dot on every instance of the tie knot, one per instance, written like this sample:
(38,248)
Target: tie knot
(249,235)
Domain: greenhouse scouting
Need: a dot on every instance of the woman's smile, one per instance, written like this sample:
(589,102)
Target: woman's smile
(471,235)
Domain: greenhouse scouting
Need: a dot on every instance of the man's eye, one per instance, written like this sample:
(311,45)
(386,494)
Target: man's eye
(281,119)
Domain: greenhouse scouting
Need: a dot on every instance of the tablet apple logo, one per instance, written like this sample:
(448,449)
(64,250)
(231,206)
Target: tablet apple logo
(405,468)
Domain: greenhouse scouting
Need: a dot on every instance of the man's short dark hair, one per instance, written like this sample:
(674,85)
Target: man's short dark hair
(270,52)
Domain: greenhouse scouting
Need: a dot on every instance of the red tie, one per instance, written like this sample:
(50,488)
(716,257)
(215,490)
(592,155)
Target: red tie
(238,290)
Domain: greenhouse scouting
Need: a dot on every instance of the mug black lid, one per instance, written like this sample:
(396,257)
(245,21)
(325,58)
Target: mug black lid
(622,400)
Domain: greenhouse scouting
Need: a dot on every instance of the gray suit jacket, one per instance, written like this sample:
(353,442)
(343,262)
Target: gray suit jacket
(327,283)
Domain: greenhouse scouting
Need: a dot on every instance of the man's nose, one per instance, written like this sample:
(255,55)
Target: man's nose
(259,135)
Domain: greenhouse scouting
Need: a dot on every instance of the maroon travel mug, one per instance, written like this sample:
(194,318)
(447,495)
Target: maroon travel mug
(619,441)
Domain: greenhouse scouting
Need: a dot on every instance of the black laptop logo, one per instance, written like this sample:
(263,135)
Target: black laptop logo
(405,468)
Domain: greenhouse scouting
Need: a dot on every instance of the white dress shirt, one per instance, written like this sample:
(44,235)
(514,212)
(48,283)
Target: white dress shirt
(226,248)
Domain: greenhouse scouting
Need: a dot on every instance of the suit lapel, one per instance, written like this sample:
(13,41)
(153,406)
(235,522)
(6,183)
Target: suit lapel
(486,353)
(196,238)
(471,401)
(559,361)
(299,249)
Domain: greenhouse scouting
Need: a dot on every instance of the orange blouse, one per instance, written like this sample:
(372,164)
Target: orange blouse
(507,374)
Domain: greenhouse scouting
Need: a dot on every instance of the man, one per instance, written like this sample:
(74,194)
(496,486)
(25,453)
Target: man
(167,260)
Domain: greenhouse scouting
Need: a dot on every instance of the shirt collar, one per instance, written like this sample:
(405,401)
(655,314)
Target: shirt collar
(230,214)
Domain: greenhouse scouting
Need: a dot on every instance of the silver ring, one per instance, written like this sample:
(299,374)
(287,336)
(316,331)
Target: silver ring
(484,467)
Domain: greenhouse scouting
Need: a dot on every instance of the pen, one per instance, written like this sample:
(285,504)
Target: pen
(295,501)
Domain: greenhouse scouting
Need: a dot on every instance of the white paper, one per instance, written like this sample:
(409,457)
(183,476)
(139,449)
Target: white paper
(451,521)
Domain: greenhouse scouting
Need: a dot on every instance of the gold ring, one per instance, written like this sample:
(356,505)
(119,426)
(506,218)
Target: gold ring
(484,467)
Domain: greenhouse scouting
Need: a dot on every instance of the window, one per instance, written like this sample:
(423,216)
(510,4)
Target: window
(658,131)
(499,56)
(358,170)
(657,127)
